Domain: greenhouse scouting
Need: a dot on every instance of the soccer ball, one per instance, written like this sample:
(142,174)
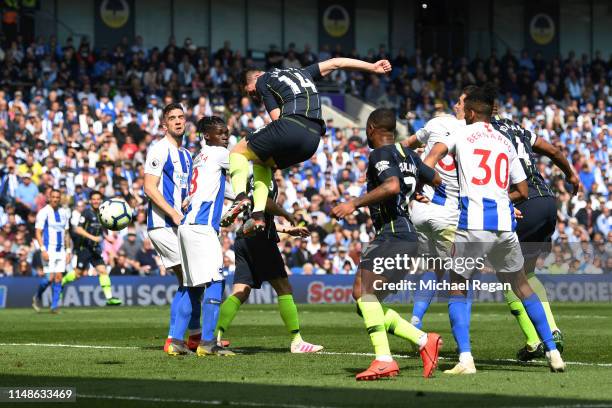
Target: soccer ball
(115,214)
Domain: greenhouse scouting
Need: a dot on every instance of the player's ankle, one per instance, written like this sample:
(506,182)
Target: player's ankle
(385,357)
(422,341)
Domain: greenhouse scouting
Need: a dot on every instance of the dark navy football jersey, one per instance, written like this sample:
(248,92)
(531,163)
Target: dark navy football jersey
(398,161)
(292,90)
(523,140)
(90,222)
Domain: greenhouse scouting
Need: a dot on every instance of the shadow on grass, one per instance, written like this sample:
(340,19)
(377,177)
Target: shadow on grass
(97,392)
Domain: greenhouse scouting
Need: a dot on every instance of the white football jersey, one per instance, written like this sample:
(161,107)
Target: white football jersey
(207,190)
(487,165)
(447,193)
(53,224)
(173,166)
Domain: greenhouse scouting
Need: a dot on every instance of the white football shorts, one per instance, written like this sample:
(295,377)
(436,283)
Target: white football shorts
(201,254)
(435,226)
(165,242)
(500,248)
(57,262)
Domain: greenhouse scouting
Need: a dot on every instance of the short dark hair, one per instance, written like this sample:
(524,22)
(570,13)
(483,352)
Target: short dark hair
(481,100)
(469,89)
(245,75)
(208,123)
(170,107)
(383,118)
(95,192)
(55,190)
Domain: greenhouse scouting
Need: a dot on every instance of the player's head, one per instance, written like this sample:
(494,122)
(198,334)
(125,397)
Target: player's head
(55,197)
(173,119)
(213,131)
(380,127)
(248,79)
(478,104)
(458,108)
(95,199)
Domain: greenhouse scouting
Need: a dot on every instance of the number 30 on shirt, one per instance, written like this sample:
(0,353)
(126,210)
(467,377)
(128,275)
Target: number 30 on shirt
(500,179)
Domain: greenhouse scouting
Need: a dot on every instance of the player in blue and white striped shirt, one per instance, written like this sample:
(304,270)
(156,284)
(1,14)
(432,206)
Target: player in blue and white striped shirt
(491,177)
(167,177)
(52,224)
(201,253)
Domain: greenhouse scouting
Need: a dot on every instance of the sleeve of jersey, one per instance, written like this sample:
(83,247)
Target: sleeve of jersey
(154,163)
(222,157)
(385,165)
(448,139)
(266,94)
(40,220)
(434,131)
(426,173)
(82,221)
(314,71)
(517,174)
(532,137)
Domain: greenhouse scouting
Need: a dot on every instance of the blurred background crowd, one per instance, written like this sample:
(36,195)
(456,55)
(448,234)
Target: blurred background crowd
(80,119)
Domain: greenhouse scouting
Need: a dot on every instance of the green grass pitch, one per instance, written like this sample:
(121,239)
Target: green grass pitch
(133,371)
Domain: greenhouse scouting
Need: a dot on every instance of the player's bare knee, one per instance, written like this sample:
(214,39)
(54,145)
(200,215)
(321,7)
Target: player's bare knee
(281,286)
(242,292)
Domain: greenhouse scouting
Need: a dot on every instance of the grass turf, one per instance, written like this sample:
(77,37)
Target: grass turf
(266,374)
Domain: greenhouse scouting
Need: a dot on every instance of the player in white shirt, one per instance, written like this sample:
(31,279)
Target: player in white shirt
(490,178)
(201,253)
(168,169)
(52,223)
(435,218)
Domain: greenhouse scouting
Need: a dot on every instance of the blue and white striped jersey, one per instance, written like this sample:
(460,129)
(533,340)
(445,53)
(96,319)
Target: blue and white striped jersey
(207,190)
(487,165)
(54,225)
(174,166)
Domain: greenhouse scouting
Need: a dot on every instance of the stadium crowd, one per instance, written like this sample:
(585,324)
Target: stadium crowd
(80,119)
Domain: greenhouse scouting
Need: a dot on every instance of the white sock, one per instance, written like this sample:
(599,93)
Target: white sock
(385,357)
(422,340)
(466,358)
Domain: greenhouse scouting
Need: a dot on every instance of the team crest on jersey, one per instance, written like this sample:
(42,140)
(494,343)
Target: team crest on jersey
(155,163)
(382,166)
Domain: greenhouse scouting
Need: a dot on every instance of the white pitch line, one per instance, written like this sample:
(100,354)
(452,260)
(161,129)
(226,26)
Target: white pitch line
(329,353)
(84,346)
(200,402)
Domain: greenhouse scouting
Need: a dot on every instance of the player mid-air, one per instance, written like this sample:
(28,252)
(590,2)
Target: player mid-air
(89,234)
(392,176)
(168,170)
(536,226)
(292,100)
(487,167)
(200,250)
(51,229)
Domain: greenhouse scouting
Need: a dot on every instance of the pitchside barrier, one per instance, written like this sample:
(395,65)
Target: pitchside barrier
(313,289)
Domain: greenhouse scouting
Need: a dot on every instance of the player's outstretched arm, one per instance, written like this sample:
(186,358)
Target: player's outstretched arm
(389,188)
(378,67)
(542,147)
(437,153)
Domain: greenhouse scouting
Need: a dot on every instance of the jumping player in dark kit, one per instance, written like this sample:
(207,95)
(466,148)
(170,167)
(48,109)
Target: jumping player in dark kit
(292,100)
(535,228)
(88,248)
(392,176)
